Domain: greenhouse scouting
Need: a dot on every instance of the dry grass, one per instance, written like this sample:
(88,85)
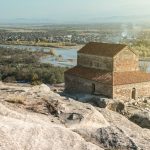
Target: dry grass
(17,100)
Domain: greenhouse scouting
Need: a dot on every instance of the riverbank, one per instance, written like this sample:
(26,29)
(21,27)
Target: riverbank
(51,45)
(24,66)
(63,57)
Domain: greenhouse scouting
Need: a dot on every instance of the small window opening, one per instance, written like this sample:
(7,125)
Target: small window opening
(134,93)
(93,88)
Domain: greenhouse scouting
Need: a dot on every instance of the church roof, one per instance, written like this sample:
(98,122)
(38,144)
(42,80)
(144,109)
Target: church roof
(109,78)
(91,74)
(102,49)
(121,78)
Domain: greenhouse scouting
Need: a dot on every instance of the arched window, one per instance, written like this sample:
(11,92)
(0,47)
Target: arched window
(133,93)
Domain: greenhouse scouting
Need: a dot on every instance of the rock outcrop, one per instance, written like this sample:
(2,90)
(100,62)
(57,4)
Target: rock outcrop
(141,118)
(31,132)
(37,118)
(138,111)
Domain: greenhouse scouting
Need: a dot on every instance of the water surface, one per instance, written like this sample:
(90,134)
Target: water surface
(65,57)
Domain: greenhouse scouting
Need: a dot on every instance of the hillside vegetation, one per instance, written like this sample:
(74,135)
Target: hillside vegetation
(24,66)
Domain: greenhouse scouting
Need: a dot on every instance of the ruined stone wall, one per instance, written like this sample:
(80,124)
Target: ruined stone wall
(126,61)
(97,62)
(75,84)
(125,91)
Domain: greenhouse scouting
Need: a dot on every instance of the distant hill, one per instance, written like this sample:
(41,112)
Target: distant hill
(134,18)
(111,19)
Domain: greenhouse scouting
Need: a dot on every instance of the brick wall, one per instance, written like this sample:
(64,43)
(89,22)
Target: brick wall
(126,61)
(125,91)
(75,84)
(98,62)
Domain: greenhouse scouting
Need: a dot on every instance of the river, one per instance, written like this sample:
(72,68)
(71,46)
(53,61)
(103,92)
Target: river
(65,57)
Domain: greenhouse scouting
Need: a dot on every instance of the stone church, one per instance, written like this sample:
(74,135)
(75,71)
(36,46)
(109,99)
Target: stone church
(106,69)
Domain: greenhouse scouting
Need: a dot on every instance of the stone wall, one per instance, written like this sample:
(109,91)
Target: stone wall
(97,62)
(75,84)
(103,89)
(125,91)
(126,60)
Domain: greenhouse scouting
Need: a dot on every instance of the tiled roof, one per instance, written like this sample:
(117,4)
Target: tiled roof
(110,78)
(120,78)
(102,49)
(91,74)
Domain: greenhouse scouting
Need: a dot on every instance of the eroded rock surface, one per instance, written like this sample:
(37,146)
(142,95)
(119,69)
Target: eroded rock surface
(141,118)
(36,118)
(138,111)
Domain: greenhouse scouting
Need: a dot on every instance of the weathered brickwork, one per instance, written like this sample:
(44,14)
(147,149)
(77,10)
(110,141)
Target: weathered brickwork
(125,91)
(97,62)
(125,60)
(74,84)
(79,85)
(111,70)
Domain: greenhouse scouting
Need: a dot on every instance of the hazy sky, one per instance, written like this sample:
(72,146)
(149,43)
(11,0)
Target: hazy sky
(68,10)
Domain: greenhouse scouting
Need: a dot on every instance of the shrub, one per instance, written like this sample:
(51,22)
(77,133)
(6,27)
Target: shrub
(23,66)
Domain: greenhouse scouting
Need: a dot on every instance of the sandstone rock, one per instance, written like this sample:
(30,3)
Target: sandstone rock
(44,107)
(108,138)
(41,88)
(142,118)
(138,111)
(100,102)
(33,133)
(145,101)
(141,137)
(62,124)
(116,105)
(1,83)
